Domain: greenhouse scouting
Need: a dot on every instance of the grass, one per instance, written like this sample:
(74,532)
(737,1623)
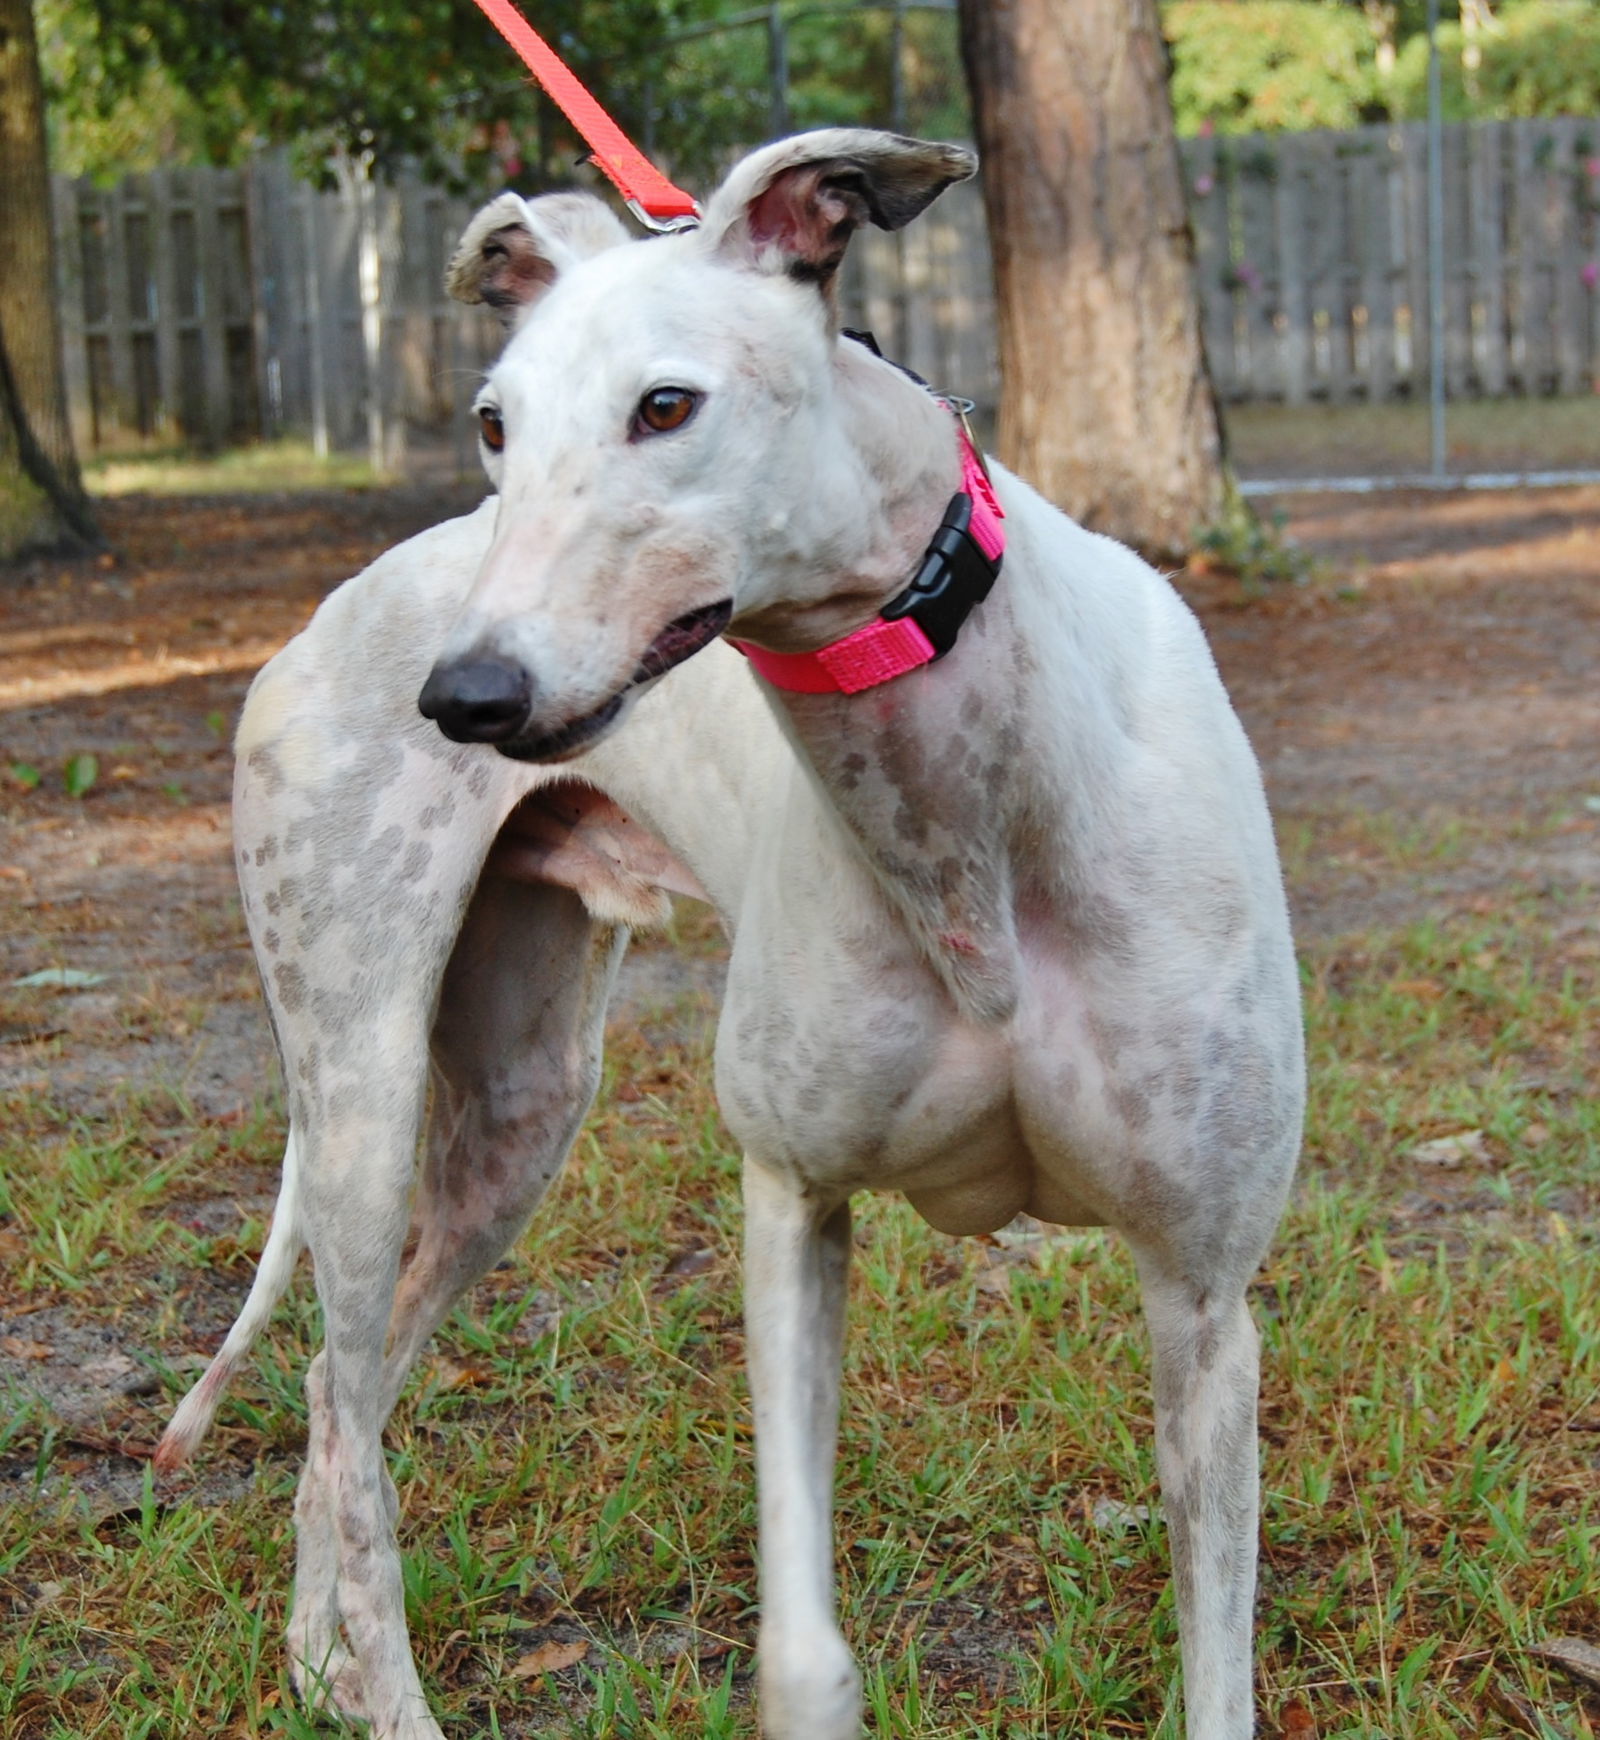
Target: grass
(574,1459)
(1382,440)
(264,467)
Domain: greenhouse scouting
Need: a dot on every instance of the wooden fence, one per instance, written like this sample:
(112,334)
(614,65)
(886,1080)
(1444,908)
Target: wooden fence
(1313,262)
(214,305)
(209,306)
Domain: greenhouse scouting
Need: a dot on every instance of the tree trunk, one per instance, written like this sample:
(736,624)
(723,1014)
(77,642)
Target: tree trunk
(1106,404)
(42,504)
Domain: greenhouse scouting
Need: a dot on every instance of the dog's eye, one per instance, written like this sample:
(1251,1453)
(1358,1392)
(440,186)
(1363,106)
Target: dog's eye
(494,430)
(664,409)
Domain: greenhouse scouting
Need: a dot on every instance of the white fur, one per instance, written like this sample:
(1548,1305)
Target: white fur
(1009,933)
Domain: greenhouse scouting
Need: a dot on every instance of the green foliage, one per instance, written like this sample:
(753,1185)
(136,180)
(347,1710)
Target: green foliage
(109,124)
(1260,66)
(1246,66)
(1542,57)
(713,90)
(137,83)
(1258,550)
(430,79)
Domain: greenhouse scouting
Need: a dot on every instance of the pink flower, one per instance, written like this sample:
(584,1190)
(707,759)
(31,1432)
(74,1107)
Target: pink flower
(1203,184)
(1592,166)
(1207,127)
(1590,275)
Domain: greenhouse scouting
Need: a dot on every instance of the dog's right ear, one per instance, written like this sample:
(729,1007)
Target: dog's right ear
(516,248)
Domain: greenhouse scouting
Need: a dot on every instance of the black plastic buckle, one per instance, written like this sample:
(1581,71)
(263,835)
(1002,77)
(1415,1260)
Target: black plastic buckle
(954,579)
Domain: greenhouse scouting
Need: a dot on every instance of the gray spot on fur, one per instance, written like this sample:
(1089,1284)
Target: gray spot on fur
(291,983)
(264,765)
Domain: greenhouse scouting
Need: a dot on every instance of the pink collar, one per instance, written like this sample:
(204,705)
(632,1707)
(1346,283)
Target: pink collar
(921,623)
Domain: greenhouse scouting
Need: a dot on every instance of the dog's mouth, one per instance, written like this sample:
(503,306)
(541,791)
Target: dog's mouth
(681,639)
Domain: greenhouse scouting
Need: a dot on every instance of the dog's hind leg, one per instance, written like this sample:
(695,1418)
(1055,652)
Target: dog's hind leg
(1206,1373)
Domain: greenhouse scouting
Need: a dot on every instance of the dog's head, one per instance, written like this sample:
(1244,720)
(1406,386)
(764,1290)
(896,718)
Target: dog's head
(679,443)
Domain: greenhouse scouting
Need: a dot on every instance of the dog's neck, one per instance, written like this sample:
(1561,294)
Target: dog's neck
(923,771)
(896,463)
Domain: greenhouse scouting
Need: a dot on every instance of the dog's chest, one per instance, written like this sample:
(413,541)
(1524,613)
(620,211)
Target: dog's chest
(860,1078)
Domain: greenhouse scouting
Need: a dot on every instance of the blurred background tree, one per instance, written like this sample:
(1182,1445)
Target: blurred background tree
(137,83)
(1244,66)
(425,80)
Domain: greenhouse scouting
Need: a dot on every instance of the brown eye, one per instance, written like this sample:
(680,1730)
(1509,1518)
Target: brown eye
(493,430)
(666,408)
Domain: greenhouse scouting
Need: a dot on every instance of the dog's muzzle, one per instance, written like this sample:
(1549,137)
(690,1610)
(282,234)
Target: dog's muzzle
(484,698)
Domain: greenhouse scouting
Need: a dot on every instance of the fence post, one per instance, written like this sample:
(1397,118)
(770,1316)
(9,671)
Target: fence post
(1436,332)
(897,68)
(314,337)
(778,69)
(369,277)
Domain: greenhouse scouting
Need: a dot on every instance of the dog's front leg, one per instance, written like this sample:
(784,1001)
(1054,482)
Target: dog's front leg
(797,1256)
(1206,1373)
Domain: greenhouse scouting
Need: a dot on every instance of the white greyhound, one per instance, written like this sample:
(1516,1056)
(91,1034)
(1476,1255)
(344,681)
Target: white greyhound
(1009,930)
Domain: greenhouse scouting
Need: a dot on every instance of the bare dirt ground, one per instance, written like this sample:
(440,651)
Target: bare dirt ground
(1427,711)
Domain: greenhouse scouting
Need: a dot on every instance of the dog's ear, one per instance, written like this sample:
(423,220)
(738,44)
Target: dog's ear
(792,207)
(515,248)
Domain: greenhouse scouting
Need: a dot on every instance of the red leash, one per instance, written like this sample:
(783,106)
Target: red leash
(650,196)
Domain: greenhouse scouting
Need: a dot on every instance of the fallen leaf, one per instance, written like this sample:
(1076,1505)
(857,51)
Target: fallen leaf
(19,1347)
(1513,1707)
(17,1033)
(80,774)
(62,978)
(116,1365)
(1574,1655)
(1296,1722)
(549,1658)
(1450,1150)
(1534,1135)
(1425,990)
(995,1280)
(1111,1516)
(450,1376)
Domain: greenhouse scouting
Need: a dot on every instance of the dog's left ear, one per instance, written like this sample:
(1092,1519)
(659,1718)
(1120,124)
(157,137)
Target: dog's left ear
(793,207)
(515,248)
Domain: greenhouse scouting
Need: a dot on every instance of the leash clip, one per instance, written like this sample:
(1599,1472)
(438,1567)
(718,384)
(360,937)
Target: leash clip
(665,226)
(962,409)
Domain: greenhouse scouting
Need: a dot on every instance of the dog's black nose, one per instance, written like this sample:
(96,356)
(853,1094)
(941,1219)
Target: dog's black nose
(476,700)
